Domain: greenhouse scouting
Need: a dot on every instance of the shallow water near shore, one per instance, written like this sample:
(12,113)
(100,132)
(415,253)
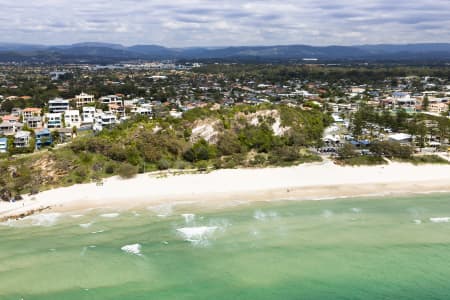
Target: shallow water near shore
(373,248)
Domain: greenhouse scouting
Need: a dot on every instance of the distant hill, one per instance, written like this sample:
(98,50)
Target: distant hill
(105,52)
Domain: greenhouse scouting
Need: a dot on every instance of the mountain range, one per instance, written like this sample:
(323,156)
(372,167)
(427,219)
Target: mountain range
(113,53)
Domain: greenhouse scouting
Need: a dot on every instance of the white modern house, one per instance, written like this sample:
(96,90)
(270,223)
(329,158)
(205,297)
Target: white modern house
(84,99)
(34,122)
(10,128)
(88,114)
(143,111)
(22,139)
(72,118)
(111,99)
(104,119)
(54,120)
(58,105)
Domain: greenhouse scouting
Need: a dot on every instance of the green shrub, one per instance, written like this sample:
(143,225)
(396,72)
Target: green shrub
(163,164)
(258,160)
(363,160)
(428,159)
(109,169)
(127,171)
(202,165)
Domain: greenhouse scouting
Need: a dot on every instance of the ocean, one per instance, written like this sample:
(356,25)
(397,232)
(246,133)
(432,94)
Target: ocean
(365,248)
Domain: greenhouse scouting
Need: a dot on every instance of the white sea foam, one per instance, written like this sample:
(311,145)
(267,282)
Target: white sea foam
(86,225)
(96,232)
(111,215)
(440,220)
(356,210)
(188,218)
(261,216)
(45,220)
(132,249)
(417,221)
(76,216)
(197,234)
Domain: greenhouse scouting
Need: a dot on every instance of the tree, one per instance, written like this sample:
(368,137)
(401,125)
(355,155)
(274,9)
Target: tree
(425,103)
(347,151)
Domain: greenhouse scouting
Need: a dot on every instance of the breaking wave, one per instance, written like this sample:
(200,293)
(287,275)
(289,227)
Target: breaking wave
(440,220)
(111,215)
(134,249)
(197,235)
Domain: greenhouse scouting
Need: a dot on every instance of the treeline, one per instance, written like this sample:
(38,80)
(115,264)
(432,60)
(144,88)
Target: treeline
(330,74)
(419,125)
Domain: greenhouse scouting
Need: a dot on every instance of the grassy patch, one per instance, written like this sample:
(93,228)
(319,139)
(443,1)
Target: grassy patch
(363,160)
(427,159)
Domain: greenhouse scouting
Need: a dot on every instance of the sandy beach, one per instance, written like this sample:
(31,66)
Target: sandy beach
(228,187)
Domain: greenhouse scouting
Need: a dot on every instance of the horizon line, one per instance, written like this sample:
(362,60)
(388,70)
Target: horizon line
(224,46)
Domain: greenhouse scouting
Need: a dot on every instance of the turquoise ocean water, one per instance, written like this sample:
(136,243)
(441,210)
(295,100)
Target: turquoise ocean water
(377,248)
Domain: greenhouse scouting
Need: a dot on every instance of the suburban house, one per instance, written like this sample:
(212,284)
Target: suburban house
(31,112)
(22,139)
(10,118)
(3,145)
(33,122)
(10,128)
(116,108)
(43,138)
(88,114)
(84,99)
(404,100)
(111,99)
(54,120)
(58,105)
(105,119)
(16,112)
(143,111)
(72,118)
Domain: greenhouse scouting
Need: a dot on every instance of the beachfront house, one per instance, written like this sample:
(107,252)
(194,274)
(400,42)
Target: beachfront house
(111,99)
(84,99)
(22,139)
(34,122)
(3,145)
(88,114)
(43,138)
(72,118)
(108,119)
(54,120)
(31,112)
(58,105)
(10,128)
(142,111)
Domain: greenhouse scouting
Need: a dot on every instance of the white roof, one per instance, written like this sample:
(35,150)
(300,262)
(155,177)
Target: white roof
(400,136)
(22,134)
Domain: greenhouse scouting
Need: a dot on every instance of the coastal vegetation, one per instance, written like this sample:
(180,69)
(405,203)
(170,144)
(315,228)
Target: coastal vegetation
(202,139)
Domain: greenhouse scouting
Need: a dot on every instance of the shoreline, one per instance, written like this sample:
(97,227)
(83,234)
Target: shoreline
(222,188)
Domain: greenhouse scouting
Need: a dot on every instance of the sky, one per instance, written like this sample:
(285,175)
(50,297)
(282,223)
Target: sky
(187,23)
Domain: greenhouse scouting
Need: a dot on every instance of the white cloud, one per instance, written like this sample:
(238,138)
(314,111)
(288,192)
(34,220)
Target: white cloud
(219,23)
